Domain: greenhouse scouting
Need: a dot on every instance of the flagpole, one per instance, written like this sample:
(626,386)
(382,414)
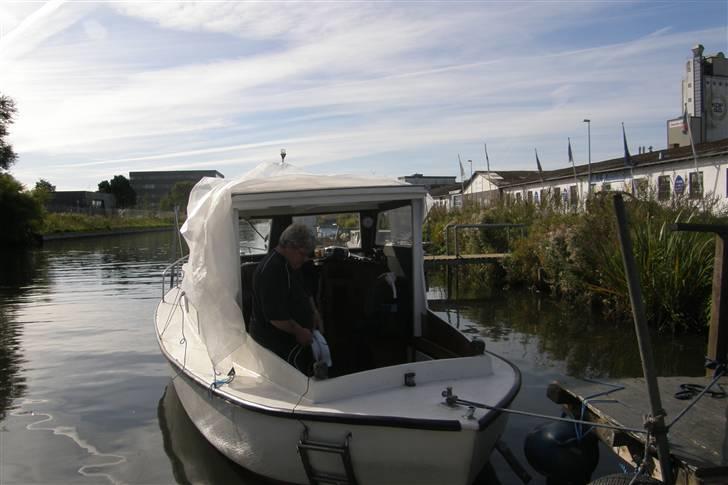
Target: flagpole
(462,183)
(487,166)
(695,155)
(588,138)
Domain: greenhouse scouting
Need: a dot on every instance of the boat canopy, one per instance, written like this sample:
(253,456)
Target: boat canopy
(211,274)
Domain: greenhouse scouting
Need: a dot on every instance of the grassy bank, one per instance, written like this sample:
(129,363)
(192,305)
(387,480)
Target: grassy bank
(577,256)
(58,223)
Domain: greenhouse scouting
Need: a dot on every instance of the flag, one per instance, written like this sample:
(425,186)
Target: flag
(685,126)
(487,160)
(571,155)
(538,165)
(627,158)
(462,170)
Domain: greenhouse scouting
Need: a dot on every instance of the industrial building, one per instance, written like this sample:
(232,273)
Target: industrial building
(152,187)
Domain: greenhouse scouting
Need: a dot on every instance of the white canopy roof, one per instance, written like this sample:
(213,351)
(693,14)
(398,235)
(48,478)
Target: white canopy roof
(212,272)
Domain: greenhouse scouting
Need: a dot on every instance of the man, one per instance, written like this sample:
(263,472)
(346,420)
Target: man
(284,314)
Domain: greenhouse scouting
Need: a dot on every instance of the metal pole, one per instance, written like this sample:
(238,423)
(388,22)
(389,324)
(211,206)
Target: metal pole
(643,341)
(588,138)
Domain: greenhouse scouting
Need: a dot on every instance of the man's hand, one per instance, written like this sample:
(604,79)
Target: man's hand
(303,336)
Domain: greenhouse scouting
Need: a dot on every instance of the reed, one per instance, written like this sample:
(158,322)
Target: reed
(576,255)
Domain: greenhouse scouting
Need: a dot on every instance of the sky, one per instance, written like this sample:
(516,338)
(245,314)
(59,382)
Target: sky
(383,88)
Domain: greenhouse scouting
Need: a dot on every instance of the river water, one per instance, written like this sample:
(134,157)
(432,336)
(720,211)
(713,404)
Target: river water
(85,396)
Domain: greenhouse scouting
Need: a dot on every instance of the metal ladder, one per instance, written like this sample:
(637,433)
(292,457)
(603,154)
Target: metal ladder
(306,446)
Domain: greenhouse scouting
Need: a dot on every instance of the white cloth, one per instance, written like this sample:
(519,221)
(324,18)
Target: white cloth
(320,349)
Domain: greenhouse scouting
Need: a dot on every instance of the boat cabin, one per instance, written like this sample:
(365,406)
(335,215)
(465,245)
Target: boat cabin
(366,275)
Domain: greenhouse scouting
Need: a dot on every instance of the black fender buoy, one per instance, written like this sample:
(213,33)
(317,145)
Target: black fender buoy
(623,479)
(554,450)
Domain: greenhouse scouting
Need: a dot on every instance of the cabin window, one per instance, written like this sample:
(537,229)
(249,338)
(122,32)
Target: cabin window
(254,236)
(696,185)
(663,187)
(395,227)
(334,229)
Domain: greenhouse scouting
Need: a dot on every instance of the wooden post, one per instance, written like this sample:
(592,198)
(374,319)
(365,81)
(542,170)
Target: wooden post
(643,341)
(718,334)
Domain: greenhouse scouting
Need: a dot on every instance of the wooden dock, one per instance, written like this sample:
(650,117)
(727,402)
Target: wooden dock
(698,441)
(453,260)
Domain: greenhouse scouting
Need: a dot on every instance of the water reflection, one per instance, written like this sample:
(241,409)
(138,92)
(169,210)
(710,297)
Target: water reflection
(20,272)
(553,330)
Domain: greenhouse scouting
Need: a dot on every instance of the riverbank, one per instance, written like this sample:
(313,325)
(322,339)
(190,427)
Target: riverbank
(112,232)
(67,226)
(576,256)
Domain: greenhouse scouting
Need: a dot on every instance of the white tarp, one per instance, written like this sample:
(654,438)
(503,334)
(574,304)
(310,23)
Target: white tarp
(211,274)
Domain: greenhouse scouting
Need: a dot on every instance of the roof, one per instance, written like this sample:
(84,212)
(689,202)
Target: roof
(443,190)
(670,155)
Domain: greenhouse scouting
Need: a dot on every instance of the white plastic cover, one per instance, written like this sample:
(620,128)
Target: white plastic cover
(212,271)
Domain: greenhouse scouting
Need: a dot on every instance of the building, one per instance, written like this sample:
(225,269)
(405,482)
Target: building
(152,187)
(80,201)
(672,172)
(704,98)
(429,181)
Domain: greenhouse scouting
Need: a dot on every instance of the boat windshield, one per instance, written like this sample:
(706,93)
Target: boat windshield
(334,229)
(395,227)
(254,236)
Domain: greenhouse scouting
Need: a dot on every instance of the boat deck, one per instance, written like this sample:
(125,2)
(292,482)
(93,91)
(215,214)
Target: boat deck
(698,441)
(376,393)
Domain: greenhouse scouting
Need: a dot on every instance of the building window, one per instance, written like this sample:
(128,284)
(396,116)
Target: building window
(663,187)
(696,185)
(574,195)
(530,197)
(606,187)
(557,195)
(641,185)
(519,197)
(536,196)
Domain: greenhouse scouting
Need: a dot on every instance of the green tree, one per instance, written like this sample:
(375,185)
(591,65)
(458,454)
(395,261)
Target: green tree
(179,195)
(45,186)
(21,214)
(42,191)
(120,187)
(7,113)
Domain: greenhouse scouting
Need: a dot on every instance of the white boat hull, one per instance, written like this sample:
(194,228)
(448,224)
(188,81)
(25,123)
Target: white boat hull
(266,443)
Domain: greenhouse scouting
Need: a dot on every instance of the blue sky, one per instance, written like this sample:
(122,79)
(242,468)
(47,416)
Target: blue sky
(389,88)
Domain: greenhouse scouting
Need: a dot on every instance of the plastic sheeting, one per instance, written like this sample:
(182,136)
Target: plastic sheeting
(211,273)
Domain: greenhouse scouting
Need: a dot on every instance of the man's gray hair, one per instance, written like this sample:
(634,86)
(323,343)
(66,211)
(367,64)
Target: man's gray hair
(298,236)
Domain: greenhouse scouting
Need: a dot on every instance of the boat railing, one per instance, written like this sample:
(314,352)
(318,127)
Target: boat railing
(175,274)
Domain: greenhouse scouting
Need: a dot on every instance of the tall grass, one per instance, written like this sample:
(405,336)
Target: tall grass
(576,255)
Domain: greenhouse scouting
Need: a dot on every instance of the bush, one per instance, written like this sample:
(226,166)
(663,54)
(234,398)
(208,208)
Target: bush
(577,255)
(21,214)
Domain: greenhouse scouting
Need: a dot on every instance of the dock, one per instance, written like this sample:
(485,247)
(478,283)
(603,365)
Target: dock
(455,260)
(698,441)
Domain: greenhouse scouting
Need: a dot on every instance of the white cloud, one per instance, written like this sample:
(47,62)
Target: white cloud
(128,86)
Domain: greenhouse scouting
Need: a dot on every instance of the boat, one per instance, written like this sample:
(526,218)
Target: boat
(381,415)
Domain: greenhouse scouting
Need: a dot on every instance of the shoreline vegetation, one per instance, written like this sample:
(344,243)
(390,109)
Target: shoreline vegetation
(55,224)
(576,256)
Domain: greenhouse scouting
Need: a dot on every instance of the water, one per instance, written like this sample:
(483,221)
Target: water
(85,394)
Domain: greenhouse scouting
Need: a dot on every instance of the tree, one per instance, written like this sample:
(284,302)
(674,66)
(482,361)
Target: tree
(7,113)
(178,195)
(21,214)
(45,186)
(120,187)
(43,190)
